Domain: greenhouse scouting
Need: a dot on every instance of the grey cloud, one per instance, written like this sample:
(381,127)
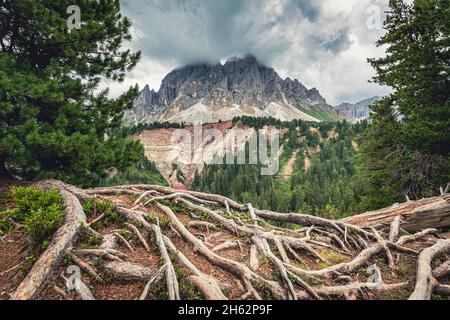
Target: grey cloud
(339,43)
(302,39)
(309,8)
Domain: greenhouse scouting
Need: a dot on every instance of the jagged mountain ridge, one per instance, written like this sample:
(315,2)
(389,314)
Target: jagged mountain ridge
(208,93)
(357,111)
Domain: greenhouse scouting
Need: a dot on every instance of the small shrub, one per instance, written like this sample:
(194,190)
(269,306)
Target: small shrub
(41,211)
(164,222)
(94,241)
(68,258)
(97,207)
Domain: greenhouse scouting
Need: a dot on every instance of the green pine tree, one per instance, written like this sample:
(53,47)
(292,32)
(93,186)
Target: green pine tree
(407,145)
(53,122)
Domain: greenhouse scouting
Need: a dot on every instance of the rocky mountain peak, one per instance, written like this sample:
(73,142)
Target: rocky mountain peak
(357,111)
(241,86)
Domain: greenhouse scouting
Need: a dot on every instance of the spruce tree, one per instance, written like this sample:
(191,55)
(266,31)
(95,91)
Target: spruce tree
(407,145)
(53,121)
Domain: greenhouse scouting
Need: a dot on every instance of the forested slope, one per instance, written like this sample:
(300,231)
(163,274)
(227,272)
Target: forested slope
(317,170)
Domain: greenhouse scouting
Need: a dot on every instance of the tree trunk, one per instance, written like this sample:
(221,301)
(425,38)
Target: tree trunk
(4,174)
(415,215)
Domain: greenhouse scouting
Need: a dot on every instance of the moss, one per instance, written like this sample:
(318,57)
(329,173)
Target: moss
(158,291)
(264,291)
(401,271)
(164,222)
(94,241)
(399,294)
(333,257)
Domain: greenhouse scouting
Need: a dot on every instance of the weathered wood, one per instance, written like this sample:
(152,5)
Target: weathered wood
(415,215)
(237,268)
(425,282)
(207,284)
(63,239)
(254,261)
(109,242)
(126,271)
(170,274)
(442,270)
(153,281)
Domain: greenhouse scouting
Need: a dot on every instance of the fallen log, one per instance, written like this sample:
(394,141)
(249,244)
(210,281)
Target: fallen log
(415,215)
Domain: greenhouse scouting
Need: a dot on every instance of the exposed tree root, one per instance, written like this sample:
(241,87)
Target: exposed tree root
(139,235)
(207,284)
(347,290)
(237,246)
(442,271)
(227,245)
(415,237)
(442,290)
(126,271)
(171,277)
(47,263)
(425,283)
(81,289)
(109,254)
(247,276)
(87,268)
(154,280)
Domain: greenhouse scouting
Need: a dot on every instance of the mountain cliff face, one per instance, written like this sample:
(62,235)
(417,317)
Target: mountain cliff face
(357,111)
(209,93)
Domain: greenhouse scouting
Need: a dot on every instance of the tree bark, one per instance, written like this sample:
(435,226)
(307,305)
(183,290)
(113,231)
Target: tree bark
(47,263)
(425,282)
(415,215)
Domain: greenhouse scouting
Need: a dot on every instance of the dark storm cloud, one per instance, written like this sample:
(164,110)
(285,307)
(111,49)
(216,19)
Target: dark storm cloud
(309,8)
(317,42)
(339,43)
(197,30)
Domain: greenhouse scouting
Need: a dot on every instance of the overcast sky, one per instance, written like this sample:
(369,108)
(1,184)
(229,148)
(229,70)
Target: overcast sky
(323,43)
